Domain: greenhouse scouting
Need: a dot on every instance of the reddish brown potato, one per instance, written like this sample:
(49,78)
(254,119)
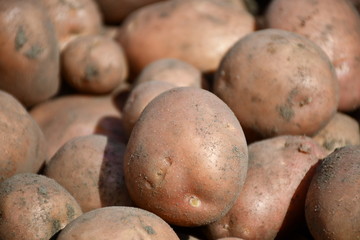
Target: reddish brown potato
(295,93)
(29,62)
(186,159)
(22,143)
(333,25)
(342,130)
(34,207)
(64,118)
(173,71)
(214,28)
(73,18)
(272,200)
(139,98)
(91,169)
(117,223)
(332,203)
(94,64)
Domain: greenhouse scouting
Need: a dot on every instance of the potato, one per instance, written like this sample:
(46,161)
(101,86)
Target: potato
(332,202)
(186,159)
(214,28)
(34,207)
(272,200)
(117,223)
(94,64)
(73,18)
(342,130)
(29,62)
(295,92)
(139,98)
(22,143)
(66,117)
(173,71)
(333,25)
(115,11)
(91,169)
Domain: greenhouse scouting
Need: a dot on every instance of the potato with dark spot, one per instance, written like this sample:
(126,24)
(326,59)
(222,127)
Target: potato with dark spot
(22,143)
(198,32)
(278,83)
(34,207)
(91,169)
(332,202)
(271,203)
(173,71)
(118,223)
(186,159)
(94,64)
(342,130)
(334,25)
(29,63)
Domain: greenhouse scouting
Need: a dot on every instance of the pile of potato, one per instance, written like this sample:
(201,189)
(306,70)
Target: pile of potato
(179,119)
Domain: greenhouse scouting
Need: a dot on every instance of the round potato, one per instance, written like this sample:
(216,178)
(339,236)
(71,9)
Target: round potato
(214,28)
(186,159)
(296,92)
(91,169)
(118,223)
(34,207)
(332,202)
(334,26)
(94,64)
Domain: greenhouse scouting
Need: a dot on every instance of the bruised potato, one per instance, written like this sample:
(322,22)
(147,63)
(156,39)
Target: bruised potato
(296,92)
(186,159)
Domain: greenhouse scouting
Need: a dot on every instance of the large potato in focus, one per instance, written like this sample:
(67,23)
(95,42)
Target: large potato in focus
(22,143)
(278,83)
(29,61)
(34,207)
(118,223)
(332,202)
(186,159)
(334,25)
(198,32)
(91,169)
(272,200)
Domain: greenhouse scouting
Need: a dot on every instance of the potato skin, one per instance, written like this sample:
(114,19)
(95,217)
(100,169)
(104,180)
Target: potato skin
(273,197)
(118,223)
(22,143)
(91,169)
(332,202)
(186,158)
(29,62)
(334,26)
(301,98)
(215,27)
(34,207)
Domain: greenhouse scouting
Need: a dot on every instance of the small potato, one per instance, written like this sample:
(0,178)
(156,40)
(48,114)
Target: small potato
(186,159)
(73,18)
(22,143)
(66,117)
(272,200)
(332,202)
(334,25)
(139,98)
(342,130)
(91,169)
(296,92)
(94,64)
(34,207)
(118,223)
(173,71)
(197,32)
(29,60)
